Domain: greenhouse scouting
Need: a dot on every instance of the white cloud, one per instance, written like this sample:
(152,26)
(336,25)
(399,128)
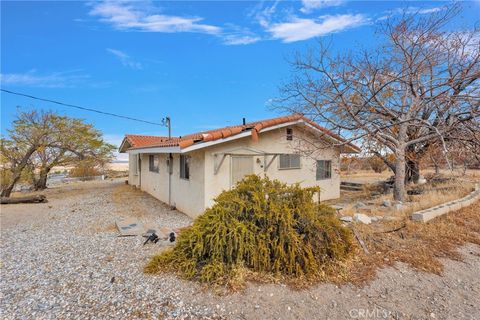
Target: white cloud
(240,39)
(298,29)
(125,59)
(139,17)
(311,5)
(409,11)
(51,80)
(430,10)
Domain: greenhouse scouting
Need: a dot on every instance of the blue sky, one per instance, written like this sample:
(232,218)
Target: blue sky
(205,64)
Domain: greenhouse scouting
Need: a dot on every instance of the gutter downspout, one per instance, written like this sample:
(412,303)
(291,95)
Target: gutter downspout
(170,163)
(170,169)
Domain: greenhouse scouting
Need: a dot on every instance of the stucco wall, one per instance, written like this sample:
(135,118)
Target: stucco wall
(187,195)
(194,195)
(132,170)
(272,142)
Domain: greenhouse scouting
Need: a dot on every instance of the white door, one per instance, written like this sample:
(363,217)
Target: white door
(241,166)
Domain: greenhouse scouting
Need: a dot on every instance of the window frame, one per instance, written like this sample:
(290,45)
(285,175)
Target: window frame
(151,163)
(327,170)
(289,134)
(289,161)
(184,167)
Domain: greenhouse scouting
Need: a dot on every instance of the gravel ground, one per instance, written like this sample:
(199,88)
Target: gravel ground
(64,260)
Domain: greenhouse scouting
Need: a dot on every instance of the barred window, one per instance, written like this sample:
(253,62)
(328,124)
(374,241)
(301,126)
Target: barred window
(289,134)
(324,169)
(153,161)
(289,161)
(184,167)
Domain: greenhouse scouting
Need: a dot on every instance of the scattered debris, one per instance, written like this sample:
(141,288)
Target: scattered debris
(346,219)
(351,186)
(363,218)
(359,239)
(394,230)
(130,227)
(360,205)
(386,203)
(152,238)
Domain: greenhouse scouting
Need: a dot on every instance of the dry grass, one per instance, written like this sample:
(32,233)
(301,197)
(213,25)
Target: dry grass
(366,174)
(442,193)
(419,245)
(128,194)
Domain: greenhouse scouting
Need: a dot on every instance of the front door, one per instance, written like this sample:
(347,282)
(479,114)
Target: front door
(241,166)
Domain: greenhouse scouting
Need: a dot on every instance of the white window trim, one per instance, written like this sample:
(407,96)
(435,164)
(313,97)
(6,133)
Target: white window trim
(180,171)
(316,169)
(289,168)
(158,166)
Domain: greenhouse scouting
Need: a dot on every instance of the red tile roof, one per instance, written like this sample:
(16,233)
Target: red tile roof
(138,142)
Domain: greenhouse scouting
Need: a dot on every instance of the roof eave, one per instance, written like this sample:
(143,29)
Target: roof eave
(154,150)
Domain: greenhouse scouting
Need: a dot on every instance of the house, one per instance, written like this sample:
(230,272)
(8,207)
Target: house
(189,172)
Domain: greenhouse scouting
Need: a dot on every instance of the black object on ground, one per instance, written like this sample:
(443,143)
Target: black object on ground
(171,236)
(153,238)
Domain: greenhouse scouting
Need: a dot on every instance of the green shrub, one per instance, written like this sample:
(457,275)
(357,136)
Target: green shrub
(263,226)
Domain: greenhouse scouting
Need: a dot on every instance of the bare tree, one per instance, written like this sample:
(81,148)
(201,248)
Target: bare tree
(415,89)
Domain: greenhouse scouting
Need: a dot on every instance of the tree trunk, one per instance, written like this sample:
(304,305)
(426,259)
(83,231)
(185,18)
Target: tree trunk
(8,190)
(399,183)
(16,174)
(41,183)
(412,173)
(28,199)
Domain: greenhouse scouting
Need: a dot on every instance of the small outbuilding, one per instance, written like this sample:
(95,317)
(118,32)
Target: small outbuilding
(189,172)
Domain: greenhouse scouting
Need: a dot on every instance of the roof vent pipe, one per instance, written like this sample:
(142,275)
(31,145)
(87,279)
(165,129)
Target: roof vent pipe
(243,121)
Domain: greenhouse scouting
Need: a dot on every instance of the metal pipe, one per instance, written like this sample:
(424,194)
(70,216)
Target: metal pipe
(170,164)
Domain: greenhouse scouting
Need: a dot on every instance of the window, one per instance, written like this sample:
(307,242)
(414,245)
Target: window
(184,167)
(324,169)
(153,161)
(289,134)
(289,161)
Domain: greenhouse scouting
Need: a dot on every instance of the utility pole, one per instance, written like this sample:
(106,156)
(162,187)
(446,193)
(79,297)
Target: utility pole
(166,122)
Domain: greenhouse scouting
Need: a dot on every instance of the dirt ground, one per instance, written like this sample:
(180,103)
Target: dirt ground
(63,259)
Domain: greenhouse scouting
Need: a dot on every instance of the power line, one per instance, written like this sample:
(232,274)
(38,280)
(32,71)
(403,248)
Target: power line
(79,107)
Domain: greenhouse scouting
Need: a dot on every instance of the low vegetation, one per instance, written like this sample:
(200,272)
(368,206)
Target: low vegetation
(420,245)
(261,227)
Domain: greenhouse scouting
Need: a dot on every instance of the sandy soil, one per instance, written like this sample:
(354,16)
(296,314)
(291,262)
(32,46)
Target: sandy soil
(75,235)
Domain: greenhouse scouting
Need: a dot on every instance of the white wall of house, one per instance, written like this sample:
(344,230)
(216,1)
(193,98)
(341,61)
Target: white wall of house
(186,195)
(273,141)
(133,173)
(194,195)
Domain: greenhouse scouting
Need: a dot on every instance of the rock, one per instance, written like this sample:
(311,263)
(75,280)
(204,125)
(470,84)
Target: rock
(346,219)
(422,180)
(398,206)
(386,203)
(359,217)
(360,205)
